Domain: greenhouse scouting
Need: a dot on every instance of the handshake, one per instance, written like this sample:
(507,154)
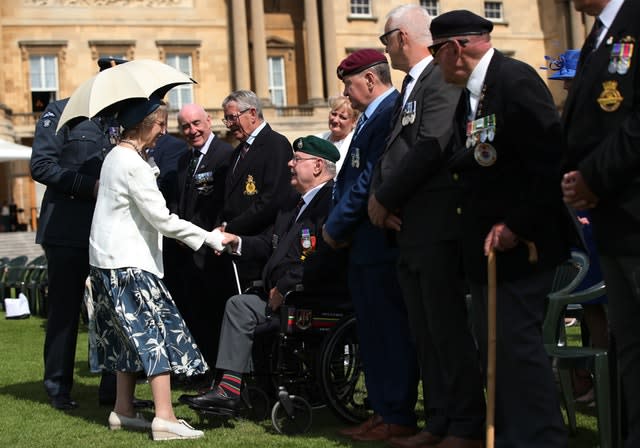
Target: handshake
(221,241)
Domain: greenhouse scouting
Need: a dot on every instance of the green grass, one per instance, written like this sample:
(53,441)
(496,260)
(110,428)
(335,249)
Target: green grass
(27,420)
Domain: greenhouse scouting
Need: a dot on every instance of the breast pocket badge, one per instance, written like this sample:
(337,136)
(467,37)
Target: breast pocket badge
(250,188)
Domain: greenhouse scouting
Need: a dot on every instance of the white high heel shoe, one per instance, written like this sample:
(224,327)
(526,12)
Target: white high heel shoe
(166,430)
(118,421)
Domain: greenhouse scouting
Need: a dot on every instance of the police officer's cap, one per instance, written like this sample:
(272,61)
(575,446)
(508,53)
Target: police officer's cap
(459,22)
(317,146)
(108,62)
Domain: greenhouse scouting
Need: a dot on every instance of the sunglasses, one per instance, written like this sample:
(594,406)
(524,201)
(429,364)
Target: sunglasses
(385,37)
(433,49)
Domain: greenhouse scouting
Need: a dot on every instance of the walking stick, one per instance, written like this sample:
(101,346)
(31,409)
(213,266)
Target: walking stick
(491,348)
(491,338)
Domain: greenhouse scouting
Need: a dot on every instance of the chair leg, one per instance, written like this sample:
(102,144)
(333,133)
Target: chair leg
(564,373)
(603,399)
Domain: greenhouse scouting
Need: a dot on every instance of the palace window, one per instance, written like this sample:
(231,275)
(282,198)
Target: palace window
(43,76)
(493,11)
(432,6)
(361,8)
(277,82)
(183,94)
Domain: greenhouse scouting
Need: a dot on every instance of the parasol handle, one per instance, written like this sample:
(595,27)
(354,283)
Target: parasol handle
(491,348)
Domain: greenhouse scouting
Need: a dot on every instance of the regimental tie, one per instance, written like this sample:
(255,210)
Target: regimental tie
(361,121)
(193,163)
(591,41)
(400,102)
(243,152)
(296,212)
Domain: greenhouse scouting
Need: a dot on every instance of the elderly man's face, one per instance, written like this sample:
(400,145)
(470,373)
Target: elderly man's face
(447,54)
(195,125)
(304,168)
(356,88)
(240,122)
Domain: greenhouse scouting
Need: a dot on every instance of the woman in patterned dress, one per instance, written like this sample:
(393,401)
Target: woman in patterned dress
(136,325)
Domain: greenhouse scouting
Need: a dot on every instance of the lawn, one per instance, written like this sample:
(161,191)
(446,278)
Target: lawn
(27,420)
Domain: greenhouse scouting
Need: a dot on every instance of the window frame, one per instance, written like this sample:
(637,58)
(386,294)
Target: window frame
(488,12)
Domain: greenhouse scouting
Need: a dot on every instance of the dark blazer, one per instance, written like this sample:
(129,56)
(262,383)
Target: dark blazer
(605,146)
(68,163)
(166,154)
(522,187)
(348,221)
(201,203)
(254,193)
(411,176)
(282,244)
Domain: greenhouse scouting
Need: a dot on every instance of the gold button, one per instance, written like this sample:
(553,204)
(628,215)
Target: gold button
(459,211)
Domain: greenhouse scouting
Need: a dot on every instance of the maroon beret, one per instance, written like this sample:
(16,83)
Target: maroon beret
(360,60)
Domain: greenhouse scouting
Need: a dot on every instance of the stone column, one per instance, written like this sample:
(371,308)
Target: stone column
(334,86)
(314,58)
(259,41)
(578,32)
(242,69)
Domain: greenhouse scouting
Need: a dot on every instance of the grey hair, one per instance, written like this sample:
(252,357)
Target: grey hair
(331,167)
(414,20)
(246,99)
(383,72)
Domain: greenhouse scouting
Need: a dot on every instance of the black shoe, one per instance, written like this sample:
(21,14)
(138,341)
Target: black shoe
(137,403)
(63,402)
(213,401)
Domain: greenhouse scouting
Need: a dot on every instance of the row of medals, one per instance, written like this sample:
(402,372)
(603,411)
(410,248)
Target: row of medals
(480,133)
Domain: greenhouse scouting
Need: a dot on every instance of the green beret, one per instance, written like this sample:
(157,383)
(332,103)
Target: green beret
(317,146)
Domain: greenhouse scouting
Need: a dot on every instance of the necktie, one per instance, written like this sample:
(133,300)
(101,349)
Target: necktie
(296,212)
(591,41)
(405,83)
(243,152)
(193,163)
(361,121)
(400,101)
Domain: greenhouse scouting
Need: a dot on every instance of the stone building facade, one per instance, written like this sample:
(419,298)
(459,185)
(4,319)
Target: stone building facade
(285,50)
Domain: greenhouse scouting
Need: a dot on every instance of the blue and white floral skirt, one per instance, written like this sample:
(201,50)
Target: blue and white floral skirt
(134,326)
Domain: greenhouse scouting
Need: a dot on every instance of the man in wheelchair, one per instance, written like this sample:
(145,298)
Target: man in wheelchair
(294,248)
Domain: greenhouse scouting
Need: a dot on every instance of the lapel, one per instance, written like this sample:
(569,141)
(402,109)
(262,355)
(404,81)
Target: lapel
(243,169)
(416,92)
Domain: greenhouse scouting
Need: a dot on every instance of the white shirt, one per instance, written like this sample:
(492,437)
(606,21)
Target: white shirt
(203,150)
(607,16)
(131,216)
(476,81)
(415,73)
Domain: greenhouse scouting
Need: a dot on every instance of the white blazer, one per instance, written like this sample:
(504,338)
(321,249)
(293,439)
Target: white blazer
(131,216)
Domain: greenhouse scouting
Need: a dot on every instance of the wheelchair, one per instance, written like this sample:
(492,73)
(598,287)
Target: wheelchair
(305,357)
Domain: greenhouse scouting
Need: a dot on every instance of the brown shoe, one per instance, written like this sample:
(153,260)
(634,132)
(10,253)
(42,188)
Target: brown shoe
(385,431)
(365,426)
(420,440)
(458,442)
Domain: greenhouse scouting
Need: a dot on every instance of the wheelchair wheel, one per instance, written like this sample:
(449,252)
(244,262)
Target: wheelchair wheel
(296,422)
(255,404)
(341,375)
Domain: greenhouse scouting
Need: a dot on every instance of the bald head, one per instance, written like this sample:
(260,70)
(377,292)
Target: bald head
(195,124)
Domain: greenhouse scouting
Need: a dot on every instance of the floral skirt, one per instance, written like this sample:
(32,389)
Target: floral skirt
(134,326)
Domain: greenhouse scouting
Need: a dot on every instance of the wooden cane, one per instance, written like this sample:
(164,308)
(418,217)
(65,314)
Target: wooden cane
(491,348)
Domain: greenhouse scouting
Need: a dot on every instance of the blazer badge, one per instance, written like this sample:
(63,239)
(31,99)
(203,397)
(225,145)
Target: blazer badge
(610,98)
(250,186)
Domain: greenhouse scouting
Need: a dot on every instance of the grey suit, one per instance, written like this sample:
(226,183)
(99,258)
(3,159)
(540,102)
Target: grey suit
(411,180)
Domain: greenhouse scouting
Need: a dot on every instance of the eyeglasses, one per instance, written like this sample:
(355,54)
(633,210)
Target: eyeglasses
(384,38)
(228,119)
(433,49)
(297,159)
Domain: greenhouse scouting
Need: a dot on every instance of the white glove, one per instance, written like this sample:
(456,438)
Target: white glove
(214,239)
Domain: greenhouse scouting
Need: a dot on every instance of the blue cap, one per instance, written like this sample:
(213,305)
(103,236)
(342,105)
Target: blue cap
(135,110)
(565,65)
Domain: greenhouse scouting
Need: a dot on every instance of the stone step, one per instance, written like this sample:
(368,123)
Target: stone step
(14,244)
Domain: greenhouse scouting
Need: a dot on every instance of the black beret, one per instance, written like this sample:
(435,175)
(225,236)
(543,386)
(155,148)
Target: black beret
(317,146)
(105,63)
(459,23)
(360,60)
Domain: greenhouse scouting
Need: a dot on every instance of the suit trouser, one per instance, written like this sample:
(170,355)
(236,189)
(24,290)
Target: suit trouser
(433,291)
(527,411)
(242,314)
(67,268)
(622,277)
(385,342)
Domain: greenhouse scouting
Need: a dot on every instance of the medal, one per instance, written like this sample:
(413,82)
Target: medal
(610,98)
(355,158)
(408,113)
(305,239)
(485,154)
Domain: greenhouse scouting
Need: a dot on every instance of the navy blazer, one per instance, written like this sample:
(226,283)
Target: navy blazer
(349,221)
(605,145)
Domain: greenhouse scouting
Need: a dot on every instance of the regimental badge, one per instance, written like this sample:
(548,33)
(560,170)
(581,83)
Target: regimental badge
(250,186)
(303,319)
(485,154)
(620,56)
(355,158)
(300,144)
(610,98)
(481,130)
(408,113)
